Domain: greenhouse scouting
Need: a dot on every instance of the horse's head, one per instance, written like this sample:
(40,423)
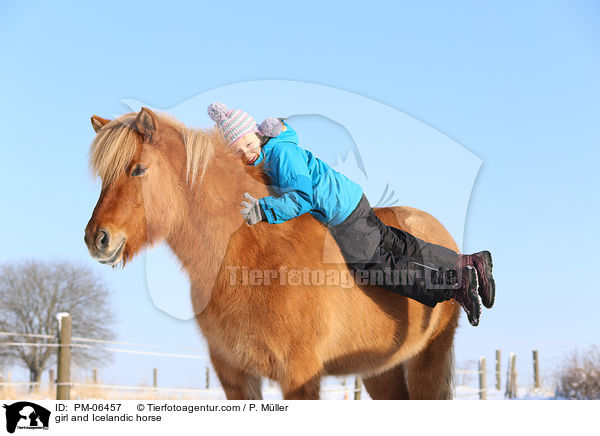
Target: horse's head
(141,159)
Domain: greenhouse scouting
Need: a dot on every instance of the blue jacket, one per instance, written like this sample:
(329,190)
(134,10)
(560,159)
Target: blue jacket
(304,183)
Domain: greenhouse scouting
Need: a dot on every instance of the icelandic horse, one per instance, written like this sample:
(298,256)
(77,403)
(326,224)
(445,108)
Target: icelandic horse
(162,181)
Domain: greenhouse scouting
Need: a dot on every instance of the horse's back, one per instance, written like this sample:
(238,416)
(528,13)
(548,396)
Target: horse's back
(418,223)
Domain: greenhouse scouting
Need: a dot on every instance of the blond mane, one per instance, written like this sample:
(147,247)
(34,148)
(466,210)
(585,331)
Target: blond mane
(115,145)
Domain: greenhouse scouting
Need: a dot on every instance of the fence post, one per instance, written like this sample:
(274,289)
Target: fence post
(513,376)
(207,377)
(357,387)
(63,388)
(95,376)
(482,379)
(498,355)
(155,377)
(536,369)
(51,381)
(511,379)
(508,380)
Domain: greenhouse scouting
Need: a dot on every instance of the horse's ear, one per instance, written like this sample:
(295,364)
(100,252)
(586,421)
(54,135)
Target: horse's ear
(98,122)
(147,123)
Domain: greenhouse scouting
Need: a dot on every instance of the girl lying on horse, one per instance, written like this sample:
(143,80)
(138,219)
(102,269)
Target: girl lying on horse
(305,184)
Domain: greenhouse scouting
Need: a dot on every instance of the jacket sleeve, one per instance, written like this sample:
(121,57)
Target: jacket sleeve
(291,177)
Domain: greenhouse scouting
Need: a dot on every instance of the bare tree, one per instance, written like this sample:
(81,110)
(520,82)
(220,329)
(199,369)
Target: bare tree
(32,293)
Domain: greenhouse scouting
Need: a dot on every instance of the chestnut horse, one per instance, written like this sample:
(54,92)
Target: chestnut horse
(162,181)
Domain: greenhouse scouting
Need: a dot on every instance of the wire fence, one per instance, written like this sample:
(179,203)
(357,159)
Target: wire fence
(354,390)
(347,390)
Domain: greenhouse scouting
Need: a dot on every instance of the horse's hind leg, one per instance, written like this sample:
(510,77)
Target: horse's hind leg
(389,385)
(429,374)
(237,384)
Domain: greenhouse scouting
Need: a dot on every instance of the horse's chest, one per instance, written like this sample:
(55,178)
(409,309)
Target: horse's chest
(237,344)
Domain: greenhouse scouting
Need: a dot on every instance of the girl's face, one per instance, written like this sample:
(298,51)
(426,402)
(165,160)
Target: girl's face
(248,147)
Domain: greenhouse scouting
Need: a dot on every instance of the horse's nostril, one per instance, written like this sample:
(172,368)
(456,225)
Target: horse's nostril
(102,240)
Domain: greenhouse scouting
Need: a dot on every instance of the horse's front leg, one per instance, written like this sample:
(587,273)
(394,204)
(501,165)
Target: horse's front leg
(237,383)
(307,390)
(301,380)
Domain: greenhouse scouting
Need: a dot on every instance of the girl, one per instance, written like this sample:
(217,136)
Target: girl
(425,272)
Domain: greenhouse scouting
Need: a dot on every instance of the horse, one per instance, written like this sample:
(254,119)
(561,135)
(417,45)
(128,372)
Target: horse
(163,181)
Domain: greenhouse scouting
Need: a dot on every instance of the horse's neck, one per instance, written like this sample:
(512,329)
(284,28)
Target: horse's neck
(212,215)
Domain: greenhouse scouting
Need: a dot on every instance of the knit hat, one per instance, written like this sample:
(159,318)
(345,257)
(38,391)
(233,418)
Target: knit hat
(236,123)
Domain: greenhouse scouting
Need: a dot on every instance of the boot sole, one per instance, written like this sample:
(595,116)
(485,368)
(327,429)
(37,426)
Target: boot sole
(474,318)
(492,284)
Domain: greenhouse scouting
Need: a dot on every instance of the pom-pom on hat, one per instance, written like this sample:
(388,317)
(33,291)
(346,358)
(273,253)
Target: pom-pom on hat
(271,127)
(236,123)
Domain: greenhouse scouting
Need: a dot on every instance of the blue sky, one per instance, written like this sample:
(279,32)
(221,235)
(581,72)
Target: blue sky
(517,84)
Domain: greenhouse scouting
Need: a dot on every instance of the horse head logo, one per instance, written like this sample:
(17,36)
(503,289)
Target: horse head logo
(27,415)
(396,158)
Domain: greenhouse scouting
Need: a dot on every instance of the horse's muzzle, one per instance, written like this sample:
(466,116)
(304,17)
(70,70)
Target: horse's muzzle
(104,247)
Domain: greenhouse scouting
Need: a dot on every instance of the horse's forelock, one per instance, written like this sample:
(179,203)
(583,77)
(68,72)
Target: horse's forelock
(113,148)
(116,143)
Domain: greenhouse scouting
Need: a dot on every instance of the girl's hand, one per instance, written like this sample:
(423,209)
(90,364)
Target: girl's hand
(251,210)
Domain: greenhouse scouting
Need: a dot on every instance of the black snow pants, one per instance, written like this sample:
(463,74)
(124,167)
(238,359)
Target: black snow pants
(392,258)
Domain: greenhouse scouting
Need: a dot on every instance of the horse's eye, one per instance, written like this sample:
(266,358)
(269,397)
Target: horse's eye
(138,171)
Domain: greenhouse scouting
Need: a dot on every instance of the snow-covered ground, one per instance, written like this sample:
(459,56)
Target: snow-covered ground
(524,393)
(332,388)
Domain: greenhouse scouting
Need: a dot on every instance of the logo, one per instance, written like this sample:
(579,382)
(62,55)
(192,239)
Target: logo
(26,415)
(396,159)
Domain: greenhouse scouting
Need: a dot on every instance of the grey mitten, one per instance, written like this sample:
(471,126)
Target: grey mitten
(251,210)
